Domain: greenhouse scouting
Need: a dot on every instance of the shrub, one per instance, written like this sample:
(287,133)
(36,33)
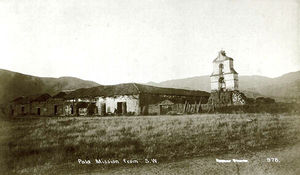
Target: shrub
(265,100)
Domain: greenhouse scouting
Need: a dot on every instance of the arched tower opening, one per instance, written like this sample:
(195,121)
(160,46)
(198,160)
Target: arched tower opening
(222,84)
(221,66)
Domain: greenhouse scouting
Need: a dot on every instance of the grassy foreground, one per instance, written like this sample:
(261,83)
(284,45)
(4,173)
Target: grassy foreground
(37,145)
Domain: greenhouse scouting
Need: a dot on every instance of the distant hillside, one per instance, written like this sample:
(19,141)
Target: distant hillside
(285,86)
(13,84)
(196,83)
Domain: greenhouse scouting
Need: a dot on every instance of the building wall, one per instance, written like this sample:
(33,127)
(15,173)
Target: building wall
(17,108)
(39,105)
(227,66)
(231,81)
(51,107)
(214,82)
(135,104)
(132,103)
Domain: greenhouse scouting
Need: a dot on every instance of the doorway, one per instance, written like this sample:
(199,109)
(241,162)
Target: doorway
(38,111)
(222,84)
(55,109)
(72,109)
(221,67)
(121,108)
(102,109)
(22,109)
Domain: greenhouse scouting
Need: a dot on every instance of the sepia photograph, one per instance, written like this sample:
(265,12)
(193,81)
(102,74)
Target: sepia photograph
(150,87)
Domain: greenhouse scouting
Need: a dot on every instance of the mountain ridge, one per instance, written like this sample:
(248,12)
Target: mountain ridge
(284,86)
(14,84)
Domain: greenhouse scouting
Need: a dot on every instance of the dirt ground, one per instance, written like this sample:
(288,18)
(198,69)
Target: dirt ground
(289,158)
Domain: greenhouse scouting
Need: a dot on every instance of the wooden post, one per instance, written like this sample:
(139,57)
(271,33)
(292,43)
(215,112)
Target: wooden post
(185,106)
(199,107)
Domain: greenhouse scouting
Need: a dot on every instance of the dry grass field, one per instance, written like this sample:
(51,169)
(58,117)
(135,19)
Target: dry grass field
(47,145)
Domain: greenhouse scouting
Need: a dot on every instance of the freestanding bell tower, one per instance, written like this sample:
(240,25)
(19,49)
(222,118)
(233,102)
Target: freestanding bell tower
(224,83)
(224,77)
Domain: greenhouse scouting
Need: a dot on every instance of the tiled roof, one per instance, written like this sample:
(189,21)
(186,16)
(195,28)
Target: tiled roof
(112,90)
(61,94)
(31,98)
(130,89)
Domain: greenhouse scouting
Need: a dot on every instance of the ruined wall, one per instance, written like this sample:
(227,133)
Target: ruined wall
(227,98)
(149,103)
(69,109)
(239,98)
(147,99)
(82,111)
(152,109)
(220,97)
(156,109)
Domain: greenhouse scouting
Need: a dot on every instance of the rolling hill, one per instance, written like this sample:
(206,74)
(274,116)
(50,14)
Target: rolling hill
(13,84)
(285,86)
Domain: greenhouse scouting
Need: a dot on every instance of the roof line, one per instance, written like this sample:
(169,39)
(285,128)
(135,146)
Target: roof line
(136,88)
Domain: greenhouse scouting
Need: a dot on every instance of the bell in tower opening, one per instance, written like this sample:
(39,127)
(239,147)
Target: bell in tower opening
(224,77)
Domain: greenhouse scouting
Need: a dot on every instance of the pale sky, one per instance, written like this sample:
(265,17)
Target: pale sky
(118,41)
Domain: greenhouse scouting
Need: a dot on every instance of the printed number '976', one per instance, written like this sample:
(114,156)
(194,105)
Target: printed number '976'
(273,160)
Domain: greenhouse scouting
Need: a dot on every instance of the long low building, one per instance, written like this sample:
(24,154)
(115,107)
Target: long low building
(121,99)
(34,104)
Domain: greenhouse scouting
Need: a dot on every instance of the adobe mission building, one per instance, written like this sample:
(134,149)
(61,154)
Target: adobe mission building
(136,99)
